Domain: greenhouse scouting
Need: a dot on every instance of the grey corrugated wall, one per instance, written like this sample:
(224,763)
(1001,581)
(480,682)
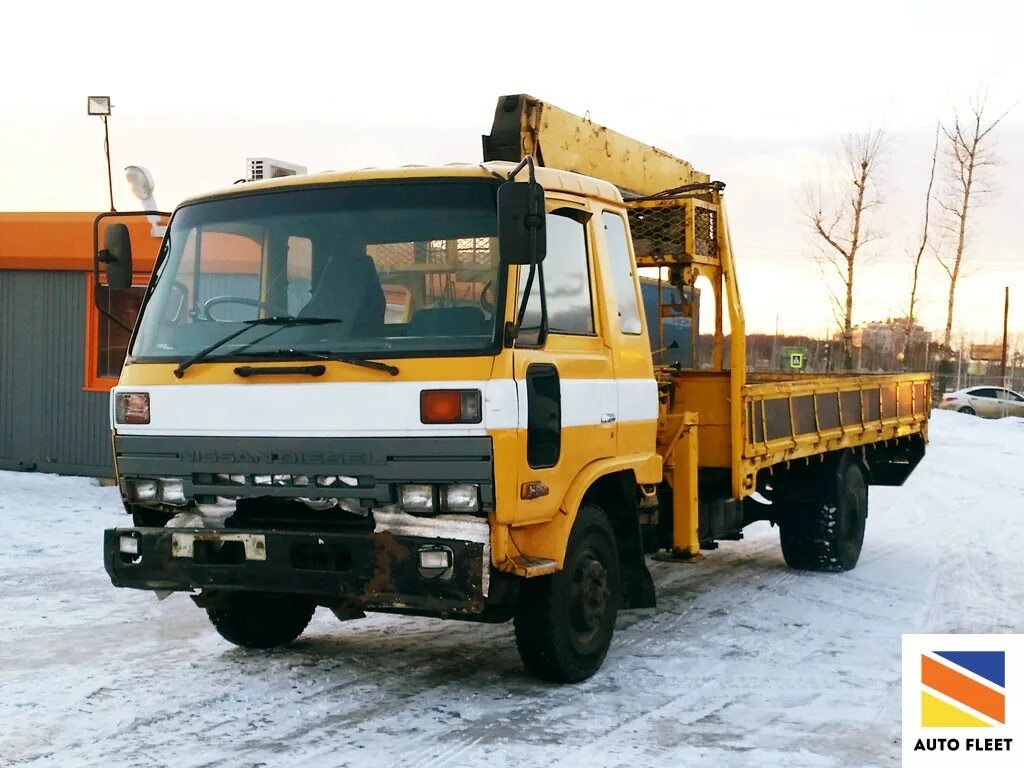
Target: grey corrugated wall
(47,422)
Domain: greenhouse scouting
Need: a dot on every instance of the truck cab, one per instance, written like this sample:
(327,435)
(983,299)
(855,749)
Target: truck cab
(339,393)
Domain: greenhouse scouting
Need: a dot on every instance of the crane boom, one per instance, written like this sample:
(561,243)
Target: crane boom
(524,125)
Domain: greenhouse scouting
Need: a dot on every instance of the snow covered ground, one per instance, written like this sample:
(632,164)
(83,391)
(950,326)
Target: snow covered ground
(743,663)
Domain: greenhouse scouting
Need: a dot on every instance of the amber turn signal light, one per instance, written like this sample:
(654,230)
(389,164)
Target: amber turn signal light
(131,408)
(533,489)
(450,406)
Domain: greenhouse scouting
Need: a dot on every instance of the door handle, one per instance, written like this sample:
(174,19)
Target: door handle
(607,418)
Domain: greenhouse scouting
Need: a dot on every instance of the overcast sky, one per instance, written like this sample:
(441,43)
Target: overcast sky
(756,94)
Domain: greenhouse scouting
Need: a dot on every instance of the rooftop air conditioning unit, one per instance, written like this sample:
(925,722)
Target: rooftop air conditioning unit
(268,168)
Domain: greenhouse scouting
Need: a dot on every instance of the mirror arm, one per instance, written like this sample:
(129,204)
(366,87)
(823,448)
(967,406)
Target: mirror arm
(542,332)
(525,162)
(521,314)
(111,317)
(536,270)
(534,220)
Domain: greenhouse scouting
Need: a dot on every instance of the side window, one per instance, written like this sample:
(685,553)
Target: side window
(622,273)
(544,409)
(1006,394)
(984,392)
(566,280)
(1014,397)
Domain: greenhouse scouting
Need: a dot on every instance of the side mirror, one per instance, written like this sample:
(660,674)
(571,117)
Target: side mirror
(116,256)
(522,236)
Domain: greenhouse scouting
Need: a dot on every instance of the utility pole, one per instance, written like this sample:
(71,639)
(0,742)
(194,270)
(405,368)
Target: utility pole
(775,344)
(106,149)
(959,361)
(99,106)
(1006,319)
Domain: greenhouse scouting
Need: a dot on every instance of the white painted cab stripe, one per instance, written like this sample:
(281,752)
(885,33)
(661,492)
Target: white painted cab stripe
(387,409)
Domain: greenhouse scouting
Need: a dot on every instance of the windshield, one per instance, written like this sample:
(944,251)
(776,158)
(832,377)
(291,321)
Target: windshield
(387,269)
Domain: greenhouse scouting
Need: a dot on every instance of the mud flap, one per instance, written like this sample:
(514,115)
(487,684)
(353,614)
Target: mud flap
(637,584)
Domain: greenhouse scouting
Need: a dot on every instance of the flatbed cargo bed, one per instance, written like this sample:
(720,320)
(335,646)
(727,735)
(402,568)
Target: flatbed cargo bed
(789,418)
(782,418)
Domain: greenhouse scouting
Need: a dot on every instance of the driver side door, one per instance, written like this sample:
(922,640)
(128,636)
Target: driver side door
(564,379)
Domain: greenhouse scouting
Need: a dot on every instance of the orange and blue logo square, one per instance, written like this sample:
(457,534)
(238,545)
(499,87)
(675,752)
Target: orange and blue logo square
(963,689)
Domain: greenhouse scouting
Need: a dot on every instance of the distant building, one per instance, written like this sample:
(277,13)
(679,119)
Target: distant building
(59,354)
(887,345)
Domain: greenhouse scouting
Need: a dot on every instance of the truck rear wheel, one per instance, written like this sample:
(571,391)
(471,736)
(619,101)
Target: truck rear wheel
(827,533)
(564,622)
(261,619)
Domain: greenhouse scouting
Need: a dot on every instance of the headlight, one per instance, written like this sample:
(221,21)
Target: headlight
(318,505)
(172,490)
(129,545)
(462,498)
(417,498)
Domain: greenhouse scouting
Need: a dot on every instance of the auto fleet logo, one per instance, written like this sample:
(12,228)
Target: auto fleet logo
(960,700)
(963,689)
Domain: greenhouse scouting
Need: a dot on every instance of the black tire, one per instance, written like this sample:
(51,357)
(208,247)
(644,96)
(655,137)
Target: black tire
(968,410)
(797,543)
(564,622)
(261,620)
(827,533)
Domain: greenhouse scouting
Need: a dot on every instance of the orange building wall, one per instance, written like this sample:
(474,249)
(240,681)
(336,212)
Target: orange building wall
(63,241)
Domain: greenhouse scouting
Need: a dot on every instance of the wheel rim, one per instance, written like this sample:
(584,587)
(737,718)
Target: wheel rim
(589,595)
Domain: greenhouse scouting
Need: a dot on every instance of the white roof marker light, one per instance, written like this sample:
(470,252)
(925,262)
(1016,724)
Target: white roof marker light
(142,185)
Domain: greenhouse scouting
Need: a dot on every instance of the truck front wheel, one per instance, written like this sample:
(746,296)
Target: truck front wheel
(826,533)
(564,622)
(260,619)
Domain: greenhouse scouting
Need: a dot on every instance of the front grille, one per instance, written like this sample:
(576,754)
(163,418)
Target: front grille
(366,470)
(286,515)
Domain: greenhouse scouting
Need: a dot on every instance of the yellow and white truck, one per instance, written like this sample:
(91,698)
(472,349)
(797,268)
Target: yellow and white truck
(430,391)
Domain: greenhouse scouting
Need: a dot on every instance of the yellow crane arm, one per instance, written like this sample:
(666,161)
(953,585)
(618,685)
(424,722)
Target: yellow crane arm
(524,125)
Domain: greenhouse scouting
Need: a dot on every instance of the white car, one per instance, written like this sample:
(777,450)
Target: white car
(990,402)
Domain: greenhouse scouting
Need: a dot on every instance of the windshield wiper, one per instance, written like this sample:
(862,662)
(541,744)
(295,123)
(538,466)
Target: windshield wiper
(283,322)
(307,355)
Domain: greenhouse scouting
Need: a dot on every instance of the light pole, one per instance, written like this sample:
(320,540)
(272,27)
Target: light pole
(99,106)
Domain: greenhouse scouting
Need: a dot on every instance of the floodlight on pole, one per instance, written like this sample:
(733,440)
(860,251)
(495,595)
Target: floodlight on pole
(100,106)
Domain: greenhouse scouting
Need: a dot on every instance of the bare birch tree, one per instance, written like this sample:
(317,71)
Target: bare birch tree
(970,155)
(922,245)
(841,224)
